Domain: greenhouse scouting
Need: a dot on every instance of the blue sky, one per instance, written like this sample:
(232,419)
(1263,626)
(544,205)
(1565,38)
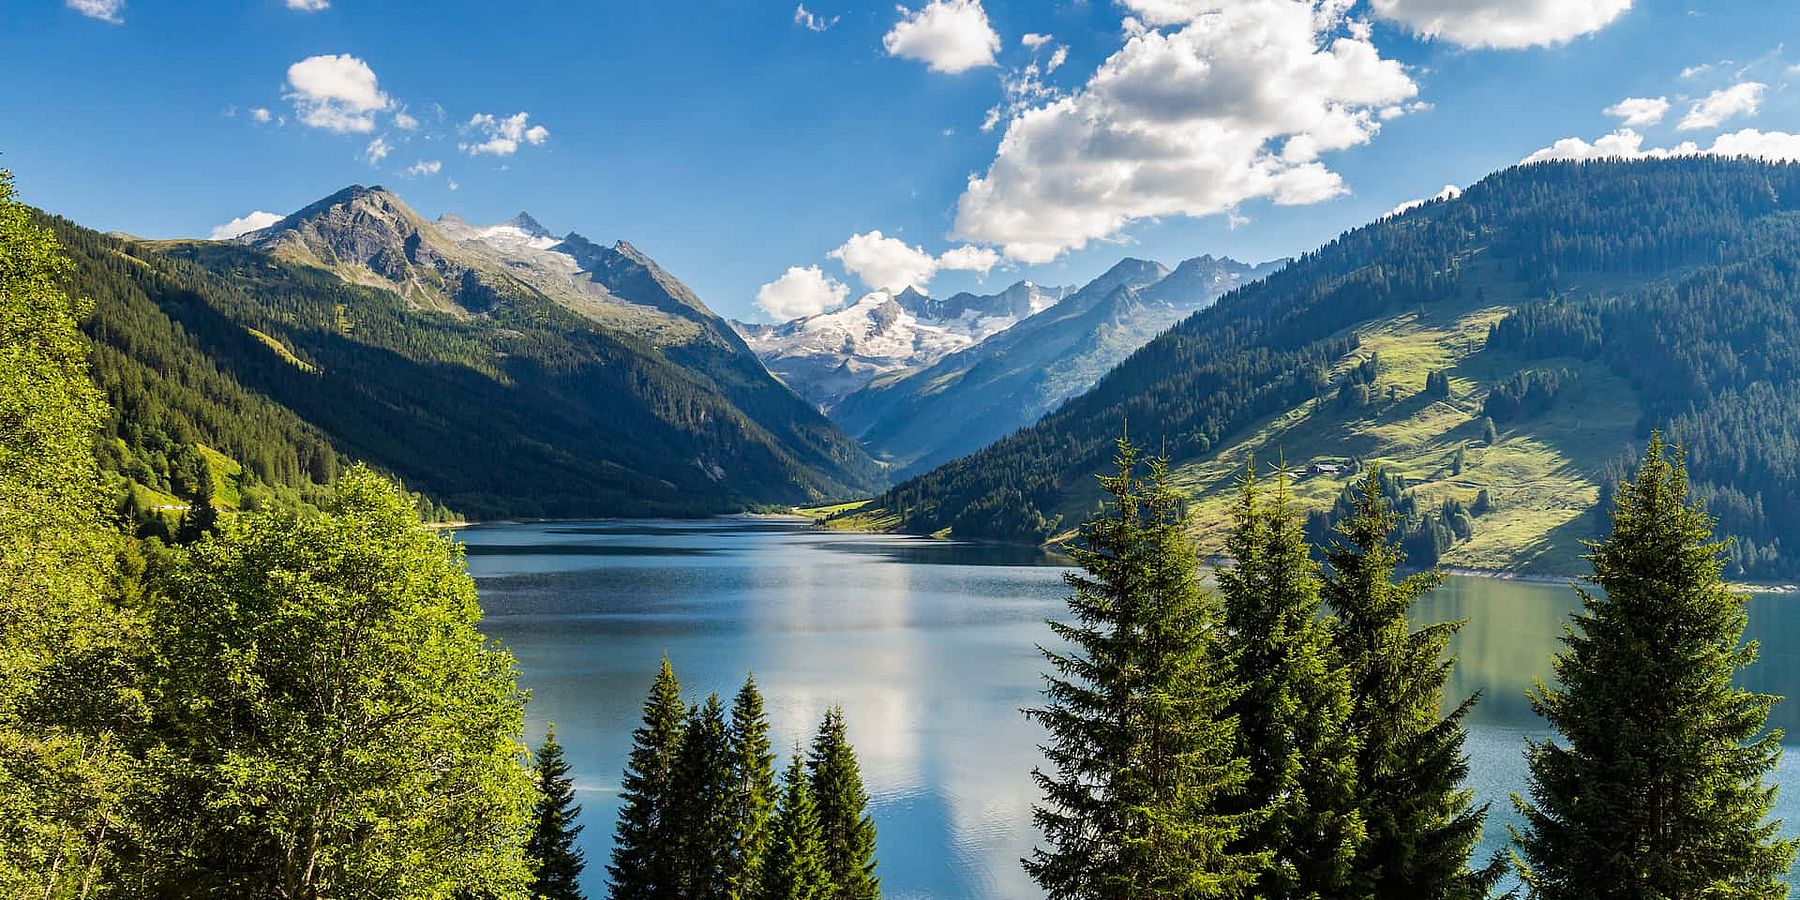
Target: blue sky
(755,147)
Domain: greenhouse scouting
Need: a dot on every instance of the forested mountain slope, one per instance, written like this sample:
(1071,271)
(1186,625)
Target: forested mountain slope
(505,402)
(969,399)
(1575,306)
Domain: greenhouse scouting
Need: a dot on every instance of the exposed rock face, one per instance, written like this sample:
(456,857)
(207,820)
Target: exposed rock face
(827,356)
(976,395)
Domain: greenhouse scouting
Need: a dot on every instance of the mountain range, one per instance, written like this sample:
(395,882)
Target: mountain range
(830,355)
(499,369)
(1499,355)
(920,380)
(917,418)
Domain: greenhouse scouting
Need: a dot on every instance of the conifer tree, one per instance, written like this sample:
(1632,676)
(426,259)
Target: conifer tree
(1421,824)
(1294,710)
(552,845)
(846,831)
(1654,783)
(705,804)
(753,768)
(795,867)
(644,857)
(1140,743)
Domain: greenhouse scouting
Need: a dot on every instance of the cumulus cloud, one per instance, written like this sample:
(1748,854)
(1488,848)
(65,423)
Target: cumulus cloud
(969,259)
(801,292)
(1635,112)
(377,150)
(812,21)
(948,36)
(244,224)
(503,135)
(1502,24)
(405,120)
(1742,99)
(425,167)
(335,92)
(260,114)
(1450,192)
(308,5)
(1238,103)
(104,10)
(883,262)
(1031,40)
(1775,146)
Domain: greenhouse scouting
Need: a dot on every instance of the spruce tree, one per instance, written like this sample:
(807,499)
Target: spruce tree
(753,768)
(1421,823)
(705,804)
(846,831)
(552,844)
(1294,710)
(795,867)
(1140,742)
(644,858)
(1654,783)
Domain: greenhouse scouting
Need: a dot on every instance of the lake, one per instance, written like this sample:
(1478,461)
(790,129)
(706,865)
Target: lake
(930,647)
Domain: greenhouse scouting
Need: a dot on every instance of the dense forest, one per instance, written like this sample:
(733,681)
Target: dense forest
(1289,735)
(528,410)
(1701,320)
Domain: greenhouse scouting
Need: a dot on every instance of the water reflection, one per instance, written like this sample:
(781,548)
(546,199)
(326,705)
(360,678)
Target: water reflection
(931,648)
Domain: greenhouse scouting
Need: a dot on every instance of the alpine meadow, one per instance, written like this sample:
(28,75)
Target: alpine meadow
(1119,450)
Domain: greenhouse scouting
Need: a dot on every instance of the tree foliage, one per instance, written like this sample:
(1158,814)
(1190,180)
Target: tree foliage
(1654,781)
(1422,826)
(556,862)
(1141,745)
(1293,713)
(332,721)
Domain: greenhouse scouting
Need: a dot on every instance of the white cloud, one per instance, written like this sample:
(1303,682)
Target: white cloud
(1742,99)
(1031,40)
(882,262)
(425,167)
(260,114)
(1237,104)
(948,36)
(801,292)
(244,224)
(1634,112)
(335,92)
(308,5)
(885,263)
(811,21)
(405,120)
(1775,146)
(377,150)
(503,135)
(1057,58)
(969,259)
(1502,24)
(1696,71)
(1450,192)
(104,10)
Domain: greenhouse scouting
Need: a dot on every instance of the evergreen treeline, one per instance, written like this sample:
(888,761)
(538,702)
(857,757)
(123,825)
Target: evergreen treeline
(1291,738)
(703,816)
(1712,357)
(1423,533)
(1711,353)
